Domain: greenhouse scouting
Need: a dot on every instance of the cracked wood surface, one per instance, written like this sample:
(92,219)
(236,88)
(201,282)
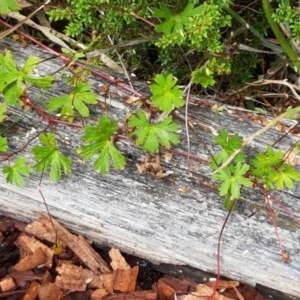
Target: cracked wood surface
(152,218)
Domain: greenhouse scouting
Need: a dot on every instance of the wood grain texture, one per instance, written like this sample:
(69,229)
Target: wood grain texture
(153,218)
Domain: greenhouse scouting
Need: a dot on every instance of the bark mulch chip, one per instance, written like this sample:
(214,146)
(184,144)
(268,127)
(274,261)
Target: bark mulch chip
(31,268)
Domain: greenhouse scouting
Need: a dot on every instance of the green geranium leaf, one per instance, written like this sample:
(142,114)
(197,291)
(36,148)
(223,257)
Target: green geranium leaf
(7,62)
(228,144)
(30,64)
(285,177)
(204,77)
(16,172)
(165,94)
(7,6)
(82,94)
(151,136)
(232,182)
(174,22)
(99,142)
(12,80)
(48,155)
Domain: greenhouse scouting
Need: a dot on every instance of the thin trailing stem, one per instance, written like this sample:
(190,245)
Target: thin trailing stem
(46,205)
(219,248)
(273,219)
(285,209)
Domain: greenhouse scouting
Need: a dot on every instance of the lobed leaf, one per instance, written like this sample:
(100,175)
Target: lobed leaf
(228,144)
(151,136)
(285,177)
(11,79)
(49,156)
(30,64)
(98,141)
(165,95)
(202,76)
(7,62)
(82,94)
(7,6)
(232,182)
(44,82)
(6,79)
(16,172)
(162,12)
(174,22)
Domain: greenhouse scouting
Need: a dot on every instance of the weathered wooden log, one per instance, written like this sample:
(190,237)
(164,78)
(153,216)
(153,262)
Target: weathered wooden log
(176,219)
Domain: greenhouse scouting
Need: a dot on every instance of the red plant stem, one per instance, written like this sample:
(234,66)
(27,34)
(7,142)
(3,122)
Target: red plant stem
(268,198)
(95,72)
(41,112)
(274,223)
(219,249)
(108,78)
(8,156)
(52,120)
(143,19)
(285,209)
(185,154)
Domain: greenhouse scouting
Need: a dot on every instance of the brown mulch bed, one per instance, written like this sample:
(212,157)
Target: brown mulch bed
(30,269)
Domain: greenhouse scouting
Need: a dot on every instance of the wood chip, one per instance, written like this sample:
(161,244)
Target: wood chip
(31,261)
(71,271)
(21,278)
(139,295)
(178,284)
(118,261)
(50,291)
(108,282)
(99,294)
(78,245)
(164,291)
(223,284)
(96,283)
(70,284)
(30,244)
(125,280)
(32,291)
(75,272)
(47,278)
(7,284)
(39,230)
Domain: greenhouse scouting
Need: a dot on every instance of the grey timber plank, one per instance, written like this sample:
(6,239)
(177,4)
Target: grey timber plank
(153,218)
